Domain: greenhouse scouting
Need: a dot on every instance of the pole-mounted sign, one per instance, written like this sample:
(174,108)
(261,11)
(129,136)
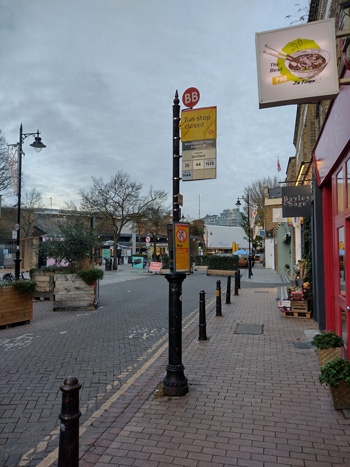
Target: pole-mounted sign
(198,136)
(182,247)
(190,97)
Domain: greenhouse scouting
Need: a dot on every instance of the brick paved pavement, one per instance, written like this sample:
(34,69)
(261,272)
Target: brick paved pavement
(254,399)
(102,347)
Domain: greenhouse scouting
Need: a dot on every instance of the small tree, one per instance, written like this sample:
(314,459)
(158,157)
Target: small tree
(155,219)
(31,201)
(256,196)
(72,242)
(119,201)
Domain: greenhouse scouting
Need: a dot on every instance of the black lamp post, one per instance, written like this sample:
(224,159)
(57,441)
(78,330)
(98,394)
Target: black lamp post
(38,146)
(249,255)
(175,382)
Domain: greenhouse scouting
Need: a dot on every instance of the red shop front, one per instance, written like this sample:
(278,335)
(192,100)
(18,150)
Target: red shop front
(332,162)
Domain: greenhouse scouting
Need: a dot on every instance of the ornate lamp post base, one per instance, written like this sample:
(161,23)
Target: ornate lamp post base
(175,382)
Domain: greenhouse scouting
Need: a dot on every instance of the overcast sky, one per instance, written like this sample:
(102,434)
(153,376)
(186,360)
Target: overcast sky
(98,78)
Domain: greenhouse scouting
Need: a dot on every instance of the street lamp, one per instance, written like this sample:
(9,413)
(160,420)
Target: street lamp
(38,146)
(249,255)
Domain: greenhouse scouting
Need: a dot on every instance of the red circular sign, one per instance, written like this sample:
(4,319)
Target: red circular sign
(181,235)
(190,97)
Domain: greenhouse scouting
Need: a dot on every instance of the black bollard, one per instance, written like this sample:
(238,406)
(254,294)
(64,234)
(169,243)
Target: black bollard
(237,274)
(239,278)
(218,298)
(202,322)
(228,290)
(68,453)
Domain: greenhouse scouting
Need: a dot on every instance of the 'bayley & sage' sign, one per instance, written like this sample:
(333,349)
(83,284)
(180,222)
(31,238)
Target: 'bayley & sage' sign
(296,201)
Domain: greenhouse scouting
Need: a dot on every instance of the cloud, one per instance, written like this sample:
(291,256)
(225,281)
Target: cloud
(98,78)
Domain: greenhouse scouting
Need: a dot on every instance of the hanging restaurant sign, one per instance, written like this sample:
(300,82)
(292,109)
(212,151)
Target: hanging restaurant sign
(296,201)
(297,64)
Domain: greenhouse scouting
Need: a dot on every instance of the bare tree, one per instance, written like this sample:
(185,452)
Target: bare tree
(5,177)
(30,202)
(119,200)
(301,16)
(155,220)
(256,196)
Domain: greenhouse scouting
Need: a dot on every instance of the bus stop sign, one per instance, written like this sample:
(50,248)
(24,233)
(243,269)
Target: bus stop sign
(190,97)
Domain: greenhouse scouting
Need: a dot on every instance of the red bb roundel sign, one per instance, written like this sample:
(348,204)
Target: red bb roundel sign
(190,97)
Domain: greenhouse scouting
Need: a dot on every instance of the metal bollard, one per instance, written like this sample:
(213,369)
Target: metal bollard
(68,453)
(228,290)
(218,298)
(239,278)
(202,321)
(237,274)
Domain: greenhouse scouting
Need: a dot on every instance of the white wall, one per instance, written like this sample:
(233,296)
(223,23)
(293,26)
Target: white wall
(270,253)
(218,236)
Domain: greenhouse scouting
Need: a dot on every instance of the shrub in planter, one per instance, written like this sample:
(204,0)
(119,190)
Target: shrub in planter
(24,286)
(27,287)
(327,340)
(336,374)
(223,263)
(201,260)
(329,346)
(90,276)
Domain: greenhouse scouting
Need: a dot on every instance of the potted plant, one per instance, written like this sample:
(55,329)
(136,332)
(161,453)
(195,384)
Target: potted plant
(336,374)
(329,346)
(75,281)
(16,302)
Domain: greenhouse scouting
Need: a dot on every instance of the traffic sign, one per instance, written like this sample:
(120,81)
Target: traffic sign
(181,235)
(148,239)
(182,247)
(190,97)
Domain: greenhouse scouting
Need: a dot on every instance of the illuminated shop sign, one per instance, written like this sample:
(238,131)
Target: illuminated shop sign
(297,65)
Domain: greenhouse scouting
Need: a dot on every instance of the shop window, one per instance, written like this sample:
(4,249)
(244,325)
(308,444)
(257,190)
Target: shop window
(348,181)
(340,191)
(341,260)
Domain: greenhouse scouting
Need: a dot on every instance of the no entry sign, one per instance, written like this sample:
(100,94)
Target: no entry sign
(190,97)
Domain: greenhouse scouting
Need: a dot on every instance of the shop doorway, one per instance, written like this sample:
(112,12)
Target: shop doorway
(343,283)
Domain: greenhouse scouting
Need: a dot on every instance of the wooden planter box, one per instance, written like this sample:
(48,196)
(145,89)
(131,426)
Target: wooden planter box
(326,355)
(15,307)
(44,282)
(72,293)
(341,396)
(219,272)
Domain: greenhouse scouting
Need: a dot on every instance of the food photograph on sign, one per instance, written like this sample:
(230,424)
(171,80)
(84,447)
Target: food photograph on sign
(297,64)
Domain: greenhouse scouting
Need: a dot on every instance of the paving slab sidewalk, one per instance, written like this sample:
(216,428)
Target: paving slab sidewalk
(254,399)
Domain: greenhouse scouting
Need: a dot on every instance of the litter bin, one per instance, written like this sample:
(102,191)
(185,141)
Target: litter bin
(108,265)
